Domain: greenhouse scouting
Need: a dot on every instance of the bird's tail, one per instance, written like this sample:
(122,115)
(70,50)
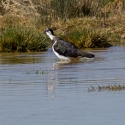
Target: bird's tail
(86,54)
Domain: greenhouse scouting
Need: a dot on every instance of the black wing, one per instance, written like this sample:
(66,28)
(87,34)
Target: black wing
(70,50)
(66,48)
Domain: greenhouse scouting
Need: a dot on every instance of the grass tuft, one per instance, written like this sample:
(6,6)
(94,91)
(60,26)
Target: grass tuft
(22,39)
(88,37)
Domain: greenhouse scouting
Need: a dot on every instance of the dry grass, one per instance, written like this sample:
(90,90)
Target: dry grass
(107,88)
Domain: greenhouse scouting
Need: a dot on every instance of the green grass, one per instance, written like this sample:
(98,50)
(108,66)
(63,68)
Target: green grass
(24,39)
(88,37)
(21,39)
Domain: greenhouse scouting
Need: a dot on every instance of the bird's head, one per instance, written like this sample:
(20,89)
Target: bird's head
(49,31)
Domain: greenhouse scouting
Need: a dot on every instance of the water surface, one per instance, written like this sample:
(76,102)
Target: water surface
(35,89)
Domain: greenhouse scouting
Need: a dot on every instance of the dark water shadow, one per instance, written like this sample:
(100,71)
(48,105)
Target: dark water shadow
(21,58)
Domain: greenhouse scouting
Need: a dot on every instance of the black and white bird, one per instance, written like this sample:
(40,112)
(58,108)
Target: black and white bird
(65,50)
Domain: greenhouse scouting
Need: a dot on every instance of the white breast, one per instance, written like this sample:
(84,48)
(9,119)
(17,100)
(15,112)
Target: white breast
(58,55)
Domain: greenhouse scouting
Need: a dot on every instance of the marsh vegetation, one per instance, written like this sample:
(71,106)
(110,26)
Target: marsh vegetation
(86,23)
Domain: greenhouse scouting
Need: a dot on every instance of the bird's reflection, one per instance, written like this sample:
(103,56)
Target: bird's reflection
(53,78)
(53,75)
(62,64)
(52,82)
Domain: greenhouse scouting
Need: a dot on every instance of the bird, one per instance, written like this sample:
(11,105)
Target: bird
(65,50)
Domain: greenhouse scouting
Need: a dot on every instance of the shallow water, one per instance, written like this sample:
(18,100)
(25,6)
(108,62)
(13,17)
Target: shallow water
(36,89)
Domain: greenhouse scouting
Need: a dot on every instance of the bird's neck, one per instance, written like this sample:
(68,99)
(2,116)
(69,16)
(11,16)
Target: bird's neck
(51,36)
